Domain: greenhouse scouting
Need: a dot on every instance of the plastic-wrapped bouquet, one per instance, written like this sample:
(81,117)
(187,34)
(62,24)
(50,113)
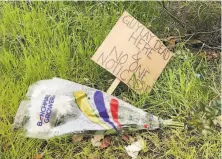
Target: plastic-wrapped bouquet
(56,107)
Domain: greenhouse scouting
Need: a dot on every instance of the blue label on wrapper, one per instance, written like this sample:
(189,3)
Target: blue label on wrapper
(46,110)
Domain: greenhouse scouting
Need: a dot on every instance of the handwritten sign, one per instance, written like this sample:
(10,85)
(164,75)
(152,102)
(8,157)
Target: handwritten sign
(133,54)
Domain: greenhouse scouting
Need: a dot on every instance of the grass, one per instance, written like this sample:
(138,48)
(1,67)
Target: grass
(41,40)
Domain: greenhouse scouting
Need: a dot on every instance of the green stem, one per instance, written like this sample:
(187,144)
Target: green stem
(171,123)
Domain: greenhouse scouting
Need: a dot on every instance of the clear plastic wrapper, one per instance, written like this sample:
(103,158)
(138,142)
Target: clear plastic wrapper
(57,107)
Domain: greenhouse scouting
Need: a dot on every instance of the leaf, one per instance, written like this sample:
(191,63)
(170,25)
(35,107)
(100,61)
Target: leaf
(194,42)
(172,42)
(131,139)
(105,143)
(96,140)
(210,54)
(38,156)
(134,149)
(77,138)
(5,147)
(125,138)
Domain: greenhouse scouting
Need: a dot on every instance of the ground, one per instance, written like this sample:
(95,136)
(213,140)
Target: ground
(41,40)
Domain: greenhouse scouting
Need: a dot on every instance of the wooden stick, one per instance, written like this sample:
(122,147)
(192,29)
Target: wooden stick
(113,86)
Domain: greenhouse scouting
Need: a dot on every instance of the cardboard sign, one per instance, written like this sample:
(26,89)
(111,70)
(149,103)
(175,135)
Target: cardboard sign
(133,54)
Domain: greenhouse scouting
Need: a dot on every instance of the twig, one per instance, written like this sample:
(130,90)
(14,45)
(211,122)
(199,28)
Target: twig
(185,35)
(201,48)
(171,15)
(211,47)
(205,32)
(189,38)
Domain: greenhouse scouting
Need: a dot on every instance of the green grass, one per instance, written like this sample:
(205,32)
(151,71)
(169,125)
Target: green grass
(57,39)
